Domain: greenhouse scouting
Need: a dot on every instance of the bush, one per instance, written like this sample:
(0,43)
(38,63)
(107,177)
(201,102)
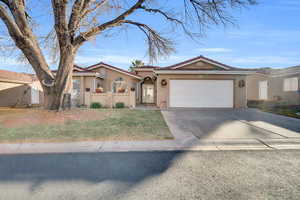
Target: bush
(96,105)
(262,104)
(120,105)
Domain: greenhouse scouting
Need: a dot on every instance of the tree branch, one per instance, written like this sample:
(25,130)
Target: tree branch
(157,45)
(79,6)
(164,14)
(12,27)
(115,22)
(60,20)
(27,45)
(88,11)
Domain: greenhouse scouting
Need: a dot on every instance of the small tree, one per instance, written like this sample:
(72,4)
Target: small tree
(77,21)
(136,63)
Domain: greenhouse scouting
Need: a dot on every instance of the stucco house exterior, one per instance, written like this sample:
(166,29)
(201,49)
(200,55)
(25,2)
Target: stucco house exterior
(101,81)
(199,82)
(280,85)
(19,89)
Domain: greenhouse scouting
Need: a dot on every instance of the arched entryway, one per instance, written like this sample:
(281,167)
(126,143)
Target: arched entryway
(147,92)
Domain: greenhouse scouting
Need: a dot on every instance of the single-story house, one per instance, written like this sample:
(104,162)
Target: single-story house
(19,89)
(195,83)
(275,85)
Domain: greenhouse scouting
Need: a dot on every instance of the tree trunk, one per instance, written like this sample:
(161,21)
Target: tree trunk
(54,96)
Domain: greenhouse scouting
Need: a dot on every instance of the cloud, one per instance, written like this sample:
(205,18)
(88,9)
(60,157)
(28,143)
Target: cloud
(215,50)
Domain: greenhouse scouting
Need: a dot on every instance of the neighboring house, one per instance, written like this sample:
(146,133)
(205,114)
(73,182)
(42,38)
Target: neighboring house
(19,89)
(275,84)
(196,83)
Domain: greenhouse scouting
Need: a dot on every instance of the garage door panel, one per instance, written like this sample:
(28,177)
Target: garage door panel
(201,93)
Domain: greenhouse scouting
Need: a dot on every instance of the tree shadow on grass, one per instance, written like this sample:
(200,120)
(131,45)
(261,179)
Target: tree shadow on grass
(127,167)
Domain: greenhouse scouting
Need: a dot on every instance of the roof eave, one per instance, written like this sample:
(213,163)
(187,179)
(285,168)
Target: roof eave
(203,72)
(15,81)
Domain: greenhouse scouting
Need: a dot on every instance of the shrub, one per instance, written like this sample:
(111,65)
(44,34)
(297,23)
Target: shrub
(96,105)
(120,105)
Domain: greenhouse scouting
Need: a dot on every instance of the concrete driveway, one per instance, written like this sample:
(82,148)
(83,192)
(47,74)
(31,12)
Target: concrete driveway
(233,124)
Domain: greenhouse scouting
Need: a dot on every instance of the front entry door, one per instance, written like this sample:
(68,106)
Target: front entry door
(148,93)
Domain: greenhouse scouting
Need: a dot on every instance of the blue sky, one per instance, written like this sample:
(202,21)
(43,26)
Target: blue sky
(268,35)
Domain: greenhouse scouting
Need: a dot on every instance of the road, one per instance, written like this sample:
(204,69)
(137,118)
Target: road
(151,175)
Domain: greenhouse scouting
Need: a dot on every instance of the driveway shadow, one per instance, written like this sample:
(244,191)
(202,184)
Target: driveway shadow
(229,123)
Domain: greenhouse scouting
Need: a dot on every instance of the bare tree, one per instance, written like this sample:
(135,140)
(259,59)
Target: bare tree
(78,21)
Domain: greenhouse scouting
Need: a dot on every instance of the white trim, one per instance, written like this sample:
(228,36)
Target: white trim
(291,84)
(260,74)
(263,90)
(76,68)
(197,60)
(108,67)
(283,74)
(96,74)
(201,72)
(94,84)
(35,94)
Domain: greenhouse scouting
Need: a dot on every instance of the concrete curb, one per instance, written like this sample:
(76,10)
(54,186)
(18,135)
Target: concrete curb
(142,146)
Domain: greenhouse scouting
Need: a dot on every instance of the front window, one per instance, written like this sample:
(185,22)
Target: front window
(290,84)
(119,85)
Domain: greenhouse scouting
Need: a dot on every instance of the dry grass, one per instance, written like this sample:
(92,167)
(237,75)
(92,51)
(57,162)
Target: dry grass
(34,125)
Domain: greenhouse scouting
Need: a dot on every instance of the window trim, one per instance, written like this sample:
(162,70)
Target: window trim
(288,84)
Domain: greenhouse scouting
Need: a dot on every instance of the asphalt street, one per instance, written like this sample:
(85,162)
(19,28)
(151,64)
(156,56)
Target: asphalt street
(151,175)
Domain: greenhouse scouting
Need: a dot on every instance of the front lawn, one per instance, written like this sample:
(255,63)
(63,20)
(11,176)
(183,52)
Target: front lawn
(283,111)
(276,108)
(33,125)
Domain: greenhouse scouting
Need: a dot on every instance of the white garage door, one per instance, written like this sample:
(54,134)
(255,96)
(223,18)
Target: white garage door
(201,93)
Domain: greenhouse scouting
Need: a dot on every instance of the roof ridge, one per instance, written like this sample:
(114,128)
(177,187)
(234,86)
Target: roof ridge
(199,57)
(114,67)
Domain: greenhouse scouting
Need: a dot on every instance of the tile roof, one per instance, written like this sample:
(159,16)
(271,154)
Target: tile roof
(113,67)
(148,67)
(195,59)
(15,76)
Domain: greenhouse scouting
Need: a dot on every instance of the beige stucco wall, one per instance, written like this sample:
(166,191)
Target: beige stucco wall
(109,99)
(252,83)
(163,91)
(112,75)
(10,93)
(145,73)
(200,65)
(275,88)
(106,83)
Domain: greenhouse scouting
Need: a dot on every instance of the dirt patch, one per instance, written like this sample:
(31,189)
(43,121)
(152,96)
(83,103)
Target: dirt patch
(15,118)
